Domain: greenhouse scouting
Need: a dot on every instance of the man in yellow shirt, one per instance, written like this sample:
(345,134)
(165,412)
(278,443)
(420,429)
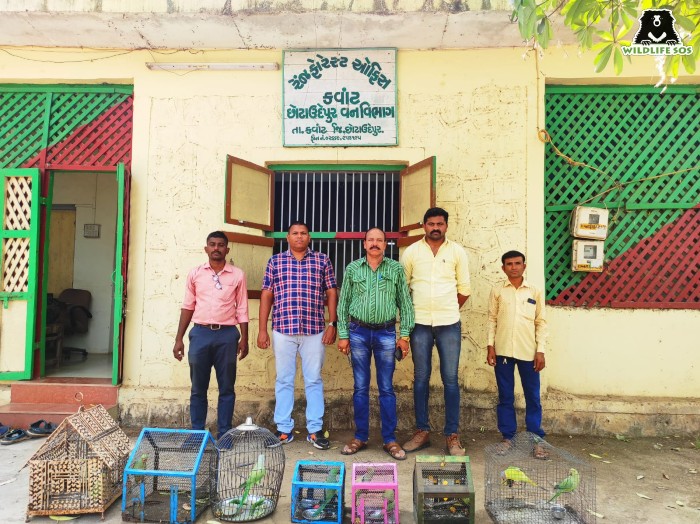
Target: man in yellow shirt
(437,271)
(517,329)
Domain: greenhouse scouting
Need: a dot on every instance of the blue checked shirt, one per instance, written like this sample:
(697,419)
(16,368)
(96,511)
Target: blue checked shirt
(299,288)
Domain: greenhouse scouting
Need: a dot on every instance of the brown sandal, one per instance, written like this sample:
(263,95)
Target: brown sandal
(504,447)
(353,447)
(395,451)
(540,452)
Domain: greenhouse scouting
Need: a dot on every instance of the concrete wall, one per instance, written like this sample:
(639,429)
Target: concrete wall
(478,112)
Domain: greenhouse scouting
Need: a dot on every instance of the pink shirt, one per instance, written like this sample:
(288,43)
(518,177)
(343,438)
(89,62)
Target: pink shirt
(227,306)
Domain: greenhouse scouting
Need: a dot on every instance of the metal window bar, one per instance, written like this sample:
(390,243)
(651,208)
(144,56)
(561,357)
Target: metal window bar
(338,202)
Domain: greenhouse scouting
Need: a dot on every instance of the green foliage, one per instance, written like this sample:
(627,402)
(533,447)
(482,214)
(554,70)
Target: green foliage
(607,25)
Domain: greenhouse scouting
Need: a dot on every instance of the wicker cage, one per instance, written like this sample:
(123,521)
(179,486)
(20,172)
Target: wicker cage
(248,475)
(317,492)
(79,467)
(443,490)
(168,476)
(522,489)
(375,493)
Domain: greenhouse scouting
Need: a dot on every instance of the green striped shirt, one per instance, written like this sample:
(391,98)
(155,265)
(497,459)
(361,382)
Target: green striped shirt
(374,296)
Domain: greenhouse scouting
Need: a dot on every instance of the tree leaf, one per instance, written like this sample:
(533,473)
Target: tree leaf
(641,495)
(600,61)
(617,60)
(685,22)
(689,64)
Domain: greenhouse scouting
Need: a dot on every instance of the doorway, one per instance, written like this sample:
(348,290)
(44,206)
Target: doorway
(82,238)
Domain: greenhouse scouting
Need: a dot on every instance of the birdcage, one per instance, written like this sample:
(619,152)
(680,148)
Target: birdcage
(249,473)
(443,490)
(520,488)
(375,493)
(168,476)
(317,492)
(78,469)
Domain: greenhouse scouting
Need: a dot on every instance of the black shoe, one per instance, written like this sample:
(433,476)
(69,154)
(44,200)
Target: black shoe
(319,440)
(285,438)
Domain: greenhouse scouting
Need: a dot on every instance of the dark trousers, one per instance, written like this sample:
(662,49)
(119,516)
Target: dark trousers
(530,380)
(219,349)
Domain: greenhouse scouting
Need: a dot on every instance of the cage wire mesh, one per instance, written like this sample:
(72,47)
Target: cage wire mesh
(375,493)
(522,489)
(443,490)
(317,492)
(168,476)
(248,475)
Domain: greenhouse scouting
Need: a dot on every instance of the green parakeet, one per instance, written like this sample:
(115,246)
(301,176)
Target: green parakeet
(367,477)
(256,475)
(567,485)
(389,496)
(514,474)
(328,494)
(140,463)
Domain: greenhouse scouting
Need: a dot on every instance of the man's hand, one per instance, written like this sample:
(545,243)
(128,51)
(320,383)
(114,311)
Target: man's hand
(539,361)
(242,349)
(263,339)
(403,346)
(329,335)
(179,350)
(344,346)
(491,355)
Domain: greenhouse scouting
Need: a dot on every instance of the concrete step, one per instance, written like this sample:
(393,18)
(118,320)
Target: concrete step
(65,391)
(22,414)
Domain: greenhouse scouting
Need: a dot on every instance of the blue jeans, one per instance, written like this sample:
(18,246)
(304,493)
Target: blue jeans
(313,353)
(448,340)
(219,349)
(530,380)
(365,342)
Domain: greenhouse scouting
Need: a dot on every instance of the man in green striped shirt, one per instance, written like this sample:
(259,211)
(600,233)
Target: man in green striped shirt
(374,288)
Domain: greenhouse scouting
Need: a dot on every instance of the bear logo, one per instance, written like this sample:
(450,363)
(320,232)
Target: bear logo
(657,26)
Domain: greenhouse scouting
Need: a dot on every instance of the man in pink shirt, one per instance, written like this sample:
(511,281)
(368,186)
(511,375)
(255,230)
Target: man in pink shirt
(216,300)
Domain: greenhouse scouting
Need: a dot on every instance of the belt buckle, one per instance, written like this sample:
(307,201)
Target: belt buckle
(215,327)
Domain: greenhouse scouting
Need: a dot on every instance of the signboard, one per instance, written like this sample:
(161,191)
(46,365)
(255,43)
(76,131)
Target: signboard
(340,97)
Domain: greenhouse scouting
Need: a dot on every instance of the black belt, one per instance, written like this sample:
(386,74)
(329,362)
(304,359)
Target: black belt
(383,325)
(213,327)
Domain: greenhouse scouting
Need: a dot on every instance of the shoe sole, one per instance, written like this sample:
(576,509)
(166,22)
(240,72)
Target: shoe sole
(422,446)
(317,446)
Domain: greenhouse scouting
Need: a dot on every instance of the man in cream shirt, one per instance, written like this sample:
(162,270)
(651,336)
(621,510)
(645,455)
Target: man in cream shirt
(437,272)
(517,329)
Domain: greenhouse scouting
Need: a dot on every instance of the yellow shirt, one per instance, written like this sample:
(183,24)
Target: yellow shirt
(517,324)
(434,281)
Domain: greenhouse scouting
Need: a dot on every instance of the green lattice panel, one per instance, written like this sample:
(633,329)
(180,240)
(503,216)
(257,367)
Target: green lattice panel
(36,118)
(631,134)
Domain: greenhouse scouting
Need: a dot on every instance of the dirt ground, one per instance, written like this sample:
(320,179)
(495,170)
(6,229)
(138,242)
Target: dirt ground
(666,471)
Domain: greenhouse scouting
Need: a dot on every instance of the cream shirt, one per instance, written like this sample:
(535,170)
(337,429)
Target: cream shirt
(434,281)
(517,323)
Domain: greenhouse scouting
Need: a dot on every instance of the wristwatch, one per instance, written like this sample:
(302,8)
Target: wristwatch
(333,323)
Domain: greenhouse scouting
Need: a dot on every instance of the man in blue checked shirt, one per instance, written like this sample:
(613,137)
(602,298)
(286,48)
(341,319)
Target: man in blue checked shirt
(374,288)
(296,282)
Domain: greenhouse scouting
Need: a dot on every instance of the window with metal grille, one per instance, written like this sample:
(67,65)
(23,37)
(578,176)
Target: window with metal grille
(646,148)
(338,206)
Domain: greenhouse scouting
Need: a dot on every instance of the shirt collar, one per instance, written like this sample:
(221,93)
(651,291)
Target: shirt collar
(227,267)
(363,260)
(507,283)
(289,253)
(447,241)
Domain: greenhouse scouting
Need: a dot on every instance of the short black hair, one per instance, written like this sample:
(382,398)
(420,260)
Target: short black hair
(436,212)
(511,254)
(217,234)
(297,223)
(378,229)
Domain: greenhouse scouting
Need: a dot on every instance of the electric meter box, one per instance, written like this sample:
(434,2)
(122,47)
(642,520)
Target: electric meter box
(587,255)
(589,222)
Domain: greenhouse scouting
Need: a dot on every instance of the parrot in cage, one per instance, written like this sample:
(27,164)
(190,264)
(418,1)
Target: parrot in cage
(389,496)
(328,494)
(513,474)
(367,477)
(255,477)
(140,463)
(568,484)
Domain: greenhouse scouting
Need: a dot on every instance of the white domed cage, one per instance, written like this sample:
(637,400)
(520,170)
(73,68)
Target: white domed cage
(248,475)
(523,489)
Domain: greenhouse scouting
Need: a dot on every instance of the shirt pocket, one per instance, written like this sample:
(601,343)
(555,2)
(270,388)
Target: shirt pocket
(359,284)
(386,284)
(529,308)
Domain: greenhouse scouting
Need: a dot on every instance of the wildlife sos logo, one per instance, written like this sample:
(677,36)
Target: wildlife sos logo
(657,36)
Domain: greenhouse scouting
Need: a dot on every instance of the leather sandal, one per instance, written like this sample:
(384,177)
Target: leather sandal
(395,451)
(540,452)
(14,436)
(353,447)
(504,447)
